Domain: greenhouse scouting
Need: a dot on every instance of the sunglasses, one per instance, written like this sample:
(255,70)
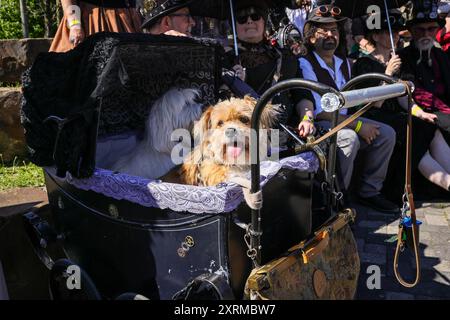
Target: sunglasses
(326,11)
(243,19)
(324,32)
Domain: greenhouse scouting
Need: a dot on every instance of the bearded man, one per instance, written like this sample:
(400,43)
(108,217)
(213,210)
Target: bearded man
(425,64)
(323,38)
(428,67)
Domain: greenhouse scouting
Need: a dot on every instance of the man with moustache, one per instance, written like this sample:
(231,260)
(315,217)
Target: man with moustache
(425,64)
(428,67)
(322,64)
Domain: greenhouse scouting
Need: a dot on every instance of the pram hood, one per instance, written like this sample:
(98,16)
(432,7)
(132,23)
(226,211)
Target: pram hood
(105,86)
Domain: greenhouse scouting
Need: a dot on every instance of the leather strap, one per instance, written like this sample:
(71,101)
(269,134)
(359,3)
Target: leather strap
(410,199)
(353,117)
(321,243)
(320,240)
(343,124)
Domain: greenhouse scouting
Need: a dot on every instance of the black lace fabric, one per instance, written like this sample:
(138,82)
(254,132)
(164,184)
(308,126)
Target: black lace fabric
(254,55)
(106,86)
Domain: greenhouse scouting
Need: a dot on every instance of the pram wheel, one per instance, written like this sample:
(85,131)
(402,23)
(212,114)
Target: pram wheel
(68,281)
(206,287)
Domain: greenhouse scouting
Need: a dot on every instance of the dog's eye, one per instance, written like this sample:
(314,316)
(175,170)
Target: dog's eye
(220,123)
(244,119)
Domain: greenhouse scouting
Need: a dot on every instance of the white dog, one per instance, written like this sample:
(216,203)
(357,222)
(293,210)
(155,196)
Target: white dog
(176,109)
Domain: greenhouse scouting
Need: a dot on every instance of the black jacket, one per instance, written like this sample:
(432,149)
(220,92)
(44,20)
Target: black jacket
(260,72)
(421,74)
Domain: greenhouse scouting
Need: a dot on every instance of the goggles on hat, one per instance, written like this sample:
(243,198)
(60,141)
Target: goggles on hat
(326,11)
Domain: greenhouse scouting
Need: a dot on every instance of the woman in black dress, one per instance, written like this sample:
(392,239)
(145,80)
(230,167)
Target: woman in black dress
(393,112)
(261,65)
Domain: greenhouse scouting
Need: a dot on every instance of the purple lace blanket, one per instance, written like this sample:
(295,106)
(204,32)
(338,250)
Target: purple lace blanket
(224,197)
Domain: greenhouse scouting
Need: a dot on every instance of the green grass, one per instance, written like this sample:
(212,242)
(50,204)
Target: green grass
(20,174)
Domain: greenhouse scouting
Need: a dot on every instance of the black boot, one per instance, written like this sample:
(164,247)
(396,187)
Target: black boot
(379,203)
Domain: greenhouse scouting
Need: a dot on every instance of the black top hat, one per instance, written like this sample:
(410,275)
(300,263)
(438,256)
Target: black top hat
(323,14)
(155,9)
(244,4)
(425,11)
(259,6)
(359,27)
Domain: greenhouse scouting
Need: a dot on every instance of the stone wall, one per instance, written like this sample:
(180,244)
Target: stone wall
(17,55)
(12,139)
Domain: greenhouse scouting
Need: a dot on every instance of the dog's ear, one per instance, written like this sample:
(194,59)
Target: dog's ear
(250,101)
(204,124)
(269,115)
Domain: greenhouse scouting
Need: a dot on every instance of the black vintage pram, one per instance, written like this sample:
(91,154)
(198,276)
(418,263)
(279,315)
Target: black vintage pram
(163,241)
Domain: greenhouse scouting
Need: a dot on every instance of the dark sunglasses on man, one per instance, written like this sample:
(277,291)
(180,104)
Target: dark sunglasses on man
(244,18)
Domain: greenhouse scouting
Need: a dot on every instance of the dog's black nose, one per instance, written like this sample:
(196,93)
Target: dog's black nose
(230,132)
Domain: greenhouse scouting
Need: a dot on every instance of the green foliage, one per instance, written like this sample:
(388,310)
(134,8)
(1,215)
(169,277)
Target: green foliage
(35,18)
(10,25)
(10,22)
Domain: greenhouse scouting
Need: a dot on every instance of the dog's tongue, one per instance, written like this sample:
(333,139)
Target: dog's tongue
(234,152)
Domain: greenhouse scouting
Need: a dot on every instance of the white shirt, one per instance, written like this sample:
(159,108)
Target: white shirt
(336,75)
(299,16)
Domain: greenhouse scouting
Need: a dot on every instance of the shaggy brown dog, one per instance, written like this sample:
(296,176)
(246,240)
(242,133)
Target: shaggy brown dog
(224,134)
